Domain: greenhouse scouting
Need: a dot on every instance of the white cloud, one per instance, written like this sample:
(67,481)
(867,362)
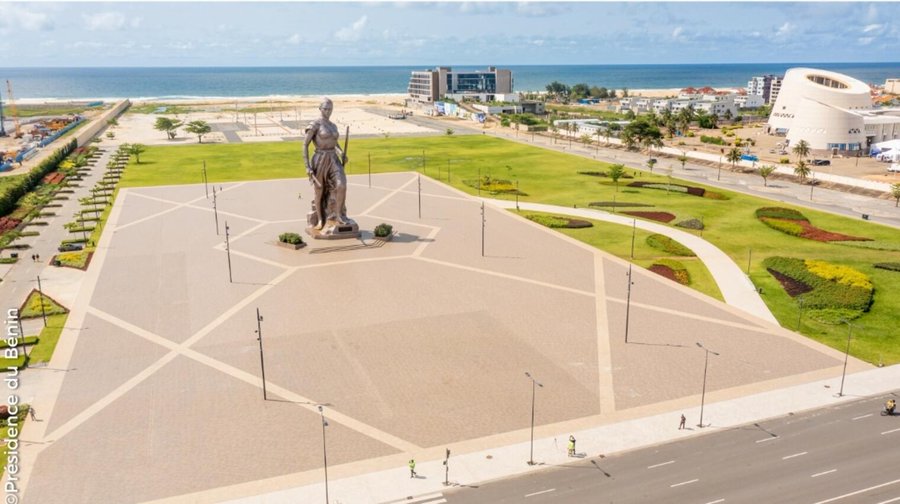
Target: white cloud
(785,29)
(865,40)
(294,39)
(677,32)
(104,21)
(540,9)
(12,16)
(353,32)
(872,27)
(48,43)
(181,46)
(537,42)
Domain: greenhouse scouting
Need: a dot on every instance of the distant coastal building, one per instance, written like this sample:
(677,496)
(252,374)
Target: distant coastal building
(493,84)
(830,111)
(707,100)
(765,86)
(892,86)
(749,101)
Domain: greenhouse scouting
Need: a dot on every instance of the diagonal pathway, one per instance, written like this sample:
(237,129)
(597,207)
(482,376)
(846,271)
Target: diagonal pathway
(736,288)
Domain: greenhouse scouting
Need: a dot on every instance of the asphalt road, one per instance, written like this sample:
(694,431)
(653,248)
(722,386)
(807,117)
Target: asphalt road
(847,453)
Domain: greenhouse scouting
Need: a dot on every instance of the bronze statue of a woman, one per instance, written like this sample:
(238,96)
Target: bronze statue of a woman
(328,218)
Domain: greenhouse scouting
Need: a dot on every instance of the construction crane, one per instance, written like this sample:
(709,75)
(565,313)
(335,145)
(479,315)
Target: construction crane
(12,107)
(2,129)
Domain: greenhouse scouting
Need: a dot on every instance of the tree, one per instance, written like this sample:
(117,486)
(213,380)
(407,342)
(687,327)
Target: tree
(110,134)
(895,192)
(624,92)
(112,122)
(198,128)
(683,160)
(612,93)
(136,150)
(554,129)
(650,164)
(616,172)
(801,149)
(449,131)
(580,90)
(599,92)
(728,115)
(733,156)
(641,132)
(586,139)
(169,125)
(802,170)
(558,90)
(764,172)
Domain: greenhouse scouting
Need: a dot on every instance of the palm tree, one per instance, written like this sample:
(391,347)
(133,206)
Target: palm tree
(802,170)
(734,155)
(136,150)
(764,172)
(599,133)
(895,192)
(801,149)
(683,158)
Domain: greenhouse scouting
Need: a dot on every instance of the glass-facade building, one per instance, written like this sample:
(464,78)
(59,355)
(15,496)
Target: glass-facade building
(431,85)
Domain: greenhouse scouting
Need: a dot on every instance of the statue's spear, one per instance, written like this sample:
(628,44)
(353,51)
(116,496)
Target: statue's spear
(344,153)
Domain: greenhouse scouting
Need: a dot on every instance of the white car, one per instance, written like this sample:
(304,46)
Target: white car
(895,168)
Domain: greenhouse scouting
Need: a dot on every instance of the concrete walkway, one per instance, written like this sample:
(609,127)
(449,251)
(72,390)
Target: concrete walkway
(736,288)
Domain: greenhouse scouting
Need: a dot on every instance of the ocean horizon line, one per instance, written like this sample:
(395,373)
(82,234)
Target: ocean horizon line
(434,65)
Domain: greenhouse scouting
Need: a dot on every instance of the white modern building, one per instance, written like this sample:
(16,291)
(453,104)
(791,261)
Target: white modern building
(749,101)
(892,86)
(830,111)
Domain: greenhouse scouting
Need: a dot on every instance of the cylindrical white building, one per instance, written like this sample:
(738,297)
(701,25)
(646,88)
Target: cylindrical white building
(821,107)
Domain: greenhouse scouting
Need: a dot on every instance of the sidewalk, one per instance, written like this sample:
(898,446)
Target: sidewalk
(736,288)
(476,467)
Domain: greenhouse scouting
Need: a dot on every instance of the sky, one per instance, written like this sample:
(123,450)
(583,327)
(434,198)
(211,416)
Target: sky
(48,34)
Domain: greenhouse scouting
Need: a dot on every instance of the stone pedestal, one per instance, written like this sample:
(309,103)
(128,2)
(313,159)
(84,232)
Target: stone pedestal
(331,230)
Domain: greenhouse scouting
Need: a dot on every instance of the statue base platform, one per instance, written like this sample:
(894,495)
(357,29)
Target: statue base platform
(332,230)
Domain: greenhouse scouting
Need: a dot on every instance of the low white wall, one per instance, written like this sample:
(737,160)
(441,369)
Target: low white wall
(96,126)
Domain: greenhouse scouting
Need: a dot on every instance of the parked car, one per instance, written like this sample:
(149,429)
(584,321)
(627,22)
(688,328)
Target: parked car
(70,247)
(821,162)
(894,168)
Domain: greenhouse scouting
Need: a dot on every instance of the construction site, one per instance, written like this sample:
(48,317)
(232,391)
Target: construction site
(25,129)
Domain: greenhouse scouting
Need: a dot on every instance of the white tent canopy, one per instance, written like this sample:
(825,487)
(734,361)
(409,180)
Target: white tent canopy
(888,145)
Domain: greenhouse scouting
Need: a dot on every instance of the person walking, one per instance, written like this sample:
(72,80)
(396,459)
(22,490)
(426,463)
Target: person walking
(31,414)
(571,446)
(683,420)
(412,468)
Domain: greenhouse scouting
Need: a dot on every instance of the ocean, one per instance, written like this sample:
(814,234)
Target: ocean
(162,83)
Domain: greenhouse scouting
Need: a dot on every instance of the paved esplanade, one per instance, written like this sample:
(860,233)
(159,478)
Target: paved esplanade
(736,288)
(159,364)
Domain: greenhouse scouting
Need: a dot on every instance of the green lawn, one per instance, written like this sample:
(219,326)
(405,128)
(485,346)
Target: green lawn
(616,239)
(550,177)
(25,111)
(49,337)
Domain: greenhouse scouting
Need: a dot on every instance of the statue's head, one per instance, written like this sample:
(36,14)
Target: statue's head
(326,107)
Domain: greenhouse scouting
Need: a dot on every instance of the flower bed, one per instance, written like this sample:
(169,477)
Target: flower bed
(668,245)
(792,222)
(673,270)
(78,260)
(32,306)
(8,224)
(831,291)
(54,177)
(693,191)
(559,222)
(657,216)
(892,266)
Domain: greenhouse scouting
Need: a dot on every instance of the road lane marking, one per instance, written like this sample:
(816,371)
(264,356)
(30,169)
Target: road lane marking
(684,483)
(660,465)
(888,432)
(766,439)
(823,473)
(539,493)
(895,499)
(863,416)
(716,501)
(851,494)
(794,455)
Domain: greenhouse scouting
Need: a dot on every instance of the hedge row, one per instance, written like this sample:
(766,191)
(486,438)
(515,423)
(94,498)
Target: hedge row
(844,289)
(787,226)
(668,245)
(892,266)
(691,224)
(10,196)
